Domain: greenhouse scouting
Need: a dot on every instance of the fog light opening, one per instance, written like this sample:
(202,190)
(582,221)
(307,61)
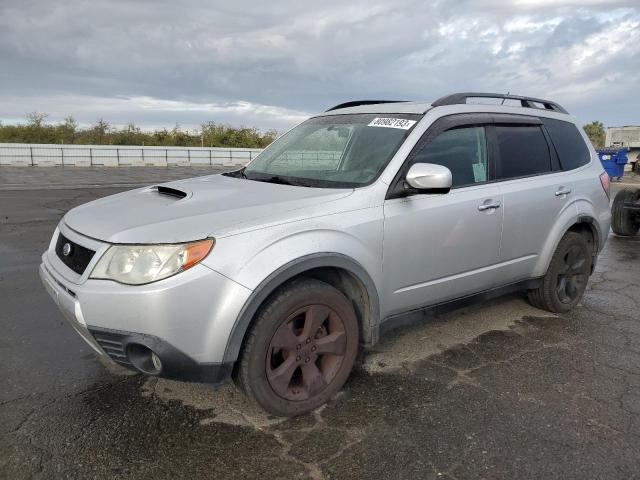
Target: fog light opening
(144,359)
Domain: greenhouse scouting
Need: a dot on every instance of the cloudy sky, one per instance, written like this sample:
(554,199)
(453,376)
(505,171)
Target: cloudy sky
(271,64)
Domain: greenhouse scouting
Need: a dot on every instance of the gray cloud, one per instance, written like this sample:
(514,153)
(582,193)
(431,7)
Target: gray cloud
(269,64)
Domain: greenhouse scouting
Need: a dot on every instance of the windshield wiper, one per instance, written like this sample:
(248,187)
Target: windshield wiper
(236,174)
(275,179)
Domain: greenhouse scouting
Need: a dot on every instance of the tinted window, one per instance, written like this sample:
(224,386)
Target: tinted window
(569,144)
(461,150)
(523,151)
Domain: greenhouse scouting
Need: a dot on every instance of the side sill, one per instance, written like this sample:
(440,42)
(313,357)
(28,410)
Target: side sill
(415,316)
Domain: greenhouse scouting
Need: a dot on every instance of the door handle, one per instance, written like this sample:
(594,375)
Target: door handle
(488,206)
(563,191)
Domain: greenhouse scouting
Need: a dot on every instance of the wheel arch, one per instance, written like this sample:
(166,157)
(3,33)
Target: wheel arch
(340,271)
(584,224)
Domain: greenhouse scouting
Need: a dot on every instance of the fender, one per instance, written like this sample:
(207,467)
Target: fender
(567,217)
(290,270)
(562,227)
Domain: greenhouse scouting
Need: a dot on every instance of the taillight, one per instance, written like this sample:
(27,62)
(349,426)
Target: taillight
(604,181)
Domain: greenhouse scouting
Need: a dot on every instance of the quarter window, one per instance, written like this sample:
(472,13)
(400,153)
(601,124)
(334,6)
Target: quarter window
(570,146)
(523,151)
(462,150)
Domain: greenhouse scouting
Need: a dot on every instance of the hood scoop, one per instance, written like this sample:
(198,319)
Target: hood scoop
(171,192)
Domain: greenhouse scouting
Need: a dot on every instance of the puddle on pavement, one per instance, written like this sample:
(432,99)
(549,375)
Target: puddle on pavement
(434,336)
(405,348)
(227,404)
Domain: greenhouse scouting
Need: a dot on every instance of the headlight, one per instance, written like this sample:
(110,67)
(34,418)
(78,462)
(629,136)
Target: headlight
(139,264)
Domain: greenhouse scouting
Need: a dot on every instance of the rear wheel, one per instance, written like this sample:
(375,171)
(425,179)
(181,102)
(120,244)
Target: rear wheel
(624,221)
(567,276)
(301,348)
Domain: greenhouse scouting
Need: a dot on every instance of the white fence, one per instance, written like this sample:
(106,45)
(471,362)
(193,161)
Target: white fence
(47,155)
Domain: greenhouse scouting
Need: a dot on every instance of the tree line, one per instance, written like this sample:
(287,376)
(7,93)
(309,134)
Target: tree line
(596,133)
(37,130)
(210,134)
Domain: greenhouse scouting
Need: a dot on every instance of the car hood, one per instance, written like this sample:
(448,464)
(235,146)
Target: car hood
(186,210)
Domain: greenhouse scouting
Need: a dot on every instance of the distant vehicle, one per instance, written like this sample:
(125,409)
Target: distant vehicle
(625,212)
(276,274)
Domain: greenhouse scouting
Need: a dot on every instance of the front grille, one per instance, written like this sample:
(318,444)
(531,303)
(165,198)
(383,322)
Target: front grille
(112,345)
(78,256)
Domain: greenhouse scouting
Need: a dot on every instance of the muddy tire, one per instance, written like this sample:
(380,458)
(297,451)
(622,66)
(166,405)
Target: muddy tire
(300,350)
(623,221)
(567,276)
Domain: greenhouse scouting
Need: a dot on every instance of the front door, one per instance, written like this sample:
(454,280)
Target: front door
(443,246)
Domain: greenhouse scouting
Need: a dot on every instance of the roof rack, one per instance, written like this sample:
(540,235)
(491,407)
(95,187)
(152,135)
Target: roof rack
(356,103)
(526,102)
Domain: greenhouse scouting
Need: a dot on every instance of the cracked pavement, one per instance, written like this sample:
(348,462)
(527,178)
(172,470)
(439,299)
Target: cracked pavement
(495,390)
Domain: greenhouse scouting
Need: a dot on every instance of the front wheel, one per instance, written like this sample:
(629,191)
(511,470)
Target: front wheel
(567,276)
(300,349)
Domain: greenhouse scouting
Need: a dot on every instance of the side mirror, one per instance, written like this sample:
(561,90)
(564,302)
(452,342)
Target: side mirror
(429,178)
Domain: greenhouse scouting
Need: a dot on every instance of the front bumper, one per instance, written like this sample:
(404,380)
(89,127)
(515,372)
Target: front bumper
(66,301)
(186,319)
(175,364)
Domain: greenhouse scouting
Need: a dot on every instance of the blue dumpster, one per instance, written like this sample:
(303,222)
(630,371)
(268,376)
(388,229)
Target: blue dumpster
(613,160)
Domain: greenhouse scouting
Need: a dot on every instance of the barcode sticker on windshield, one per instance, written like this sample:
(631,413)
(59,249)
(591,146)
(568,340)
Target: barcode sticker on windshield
(392,123)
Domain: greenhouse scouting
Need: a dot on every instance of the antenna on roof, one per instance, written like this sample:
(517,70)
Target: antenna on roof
(504,98)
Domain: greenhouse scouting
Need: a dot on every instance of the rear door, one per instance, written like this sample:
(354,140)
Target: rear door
(534,188)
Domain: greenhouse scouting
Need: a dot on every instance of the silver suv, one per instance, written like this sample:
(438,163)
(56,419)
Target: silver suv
(357,219)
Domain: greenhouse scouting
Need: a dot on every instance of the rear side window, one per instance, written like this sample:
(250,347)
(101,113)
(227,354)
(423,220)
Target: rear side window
(523,151)
(570,146)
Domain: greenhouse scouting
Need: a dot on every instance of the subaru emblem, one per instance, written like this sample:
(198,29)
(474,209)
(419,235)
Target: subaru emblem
(66,249)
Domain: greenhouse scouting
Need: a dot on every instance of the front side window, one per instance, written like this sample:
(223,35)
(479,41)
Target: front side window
(523,151)
(462,150)
(333,151)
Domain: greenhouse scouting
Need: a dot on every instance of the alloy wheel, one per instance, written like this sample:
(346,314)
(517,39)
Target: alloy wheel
(306,352)
(571,276)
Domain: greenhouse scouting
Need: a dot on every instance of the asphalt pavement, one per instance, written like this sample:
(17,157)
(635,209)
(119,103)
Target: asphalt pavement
(497,390)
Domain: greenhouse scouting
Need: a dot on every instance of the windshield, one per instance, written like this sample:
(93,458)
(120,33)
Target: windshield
(340,151)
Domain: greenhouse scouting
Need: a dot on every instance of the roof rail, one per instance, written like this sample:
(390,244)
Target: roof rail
(356,103)
(526,102)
